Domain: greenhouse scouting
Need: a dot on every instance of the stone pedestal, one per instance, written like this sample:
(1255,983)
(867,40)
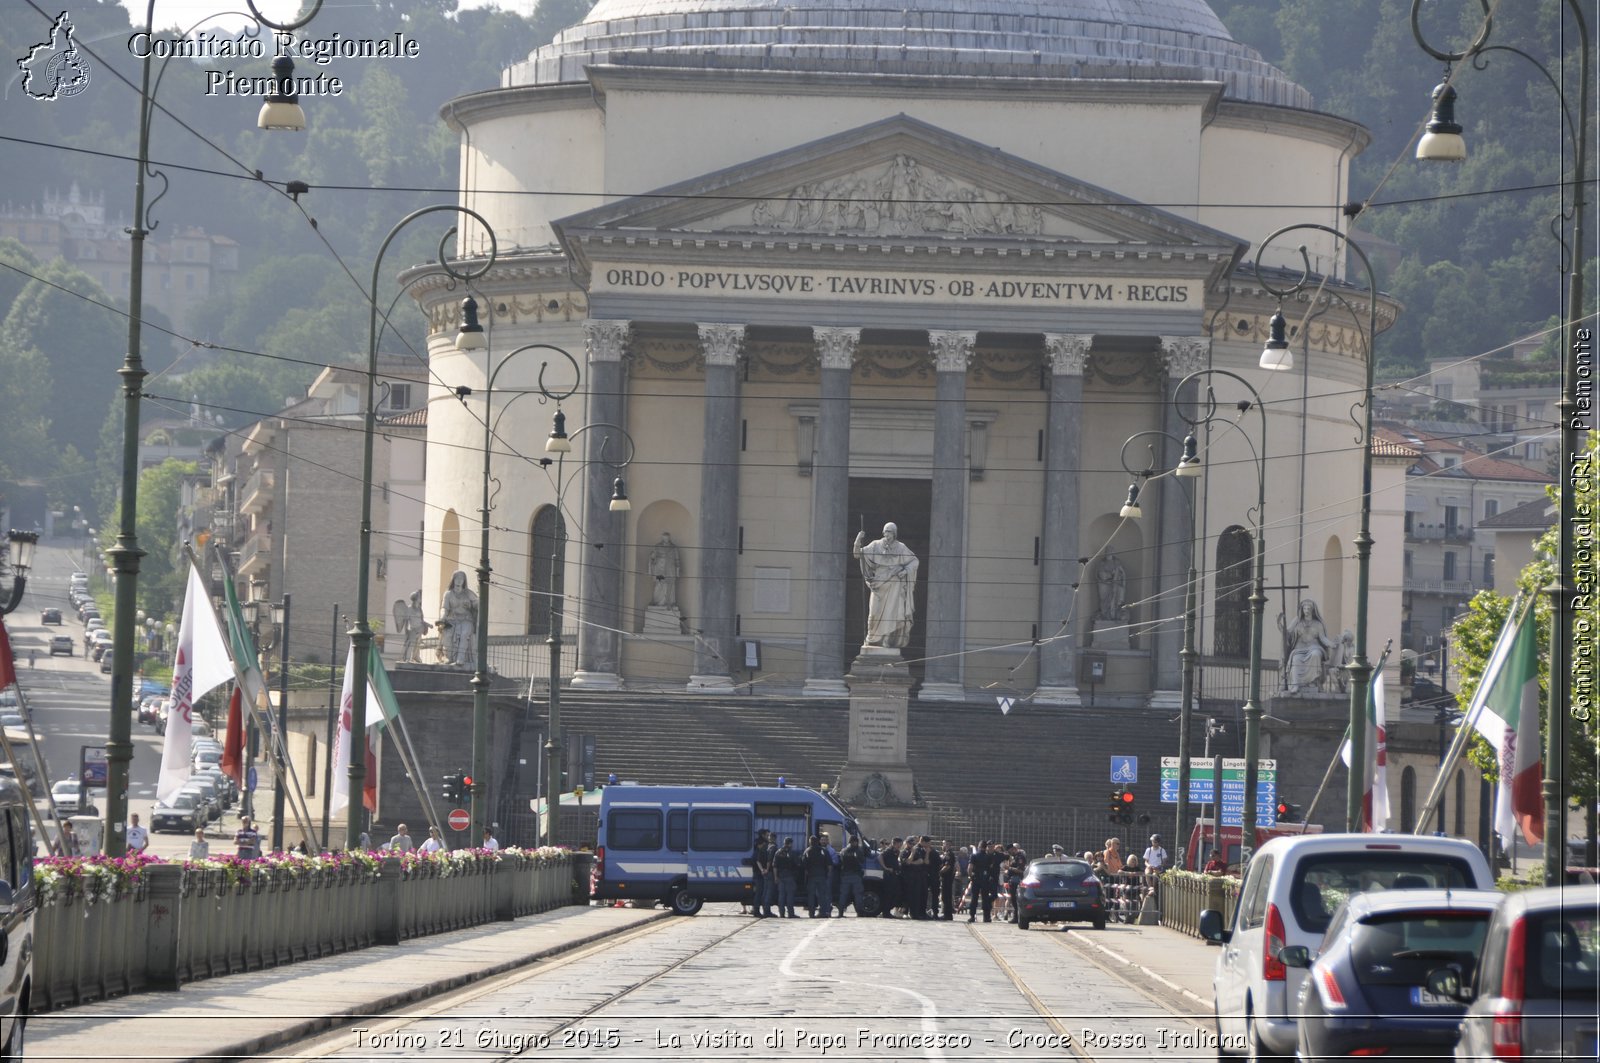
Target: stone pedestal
(663,620)
(1110,635)
(876,781)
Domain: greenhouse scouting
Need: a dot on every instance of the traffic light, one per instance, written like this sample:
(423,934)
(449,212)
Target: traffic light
(466,785)
(448,787)
(1125,799)
(1288,813)
(1114,806)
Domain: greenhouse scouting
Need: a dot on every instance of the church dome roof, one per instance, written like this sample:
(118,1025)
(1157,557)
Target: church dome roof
(1179,40)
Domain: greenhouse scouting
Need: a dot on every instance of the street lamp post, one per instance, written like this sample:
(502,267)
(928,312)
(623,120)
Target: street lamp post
(1188,467)
(273,617)
(1278,357)
(125,554)
(471,338)
(1204,415)
(1443,142)
(361,631)
(559,443)
(22,545)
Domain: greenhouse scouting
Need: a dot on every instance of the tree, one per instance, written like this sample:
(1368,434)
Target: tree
(162,573)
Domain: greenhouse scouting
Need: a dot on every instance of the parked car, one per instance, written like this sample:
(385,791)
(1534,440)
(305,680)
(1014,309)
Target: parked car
(182,812)
(50,616)
(206,758)
(61,644)
(1368,993)
(105,662)
(12,719)
(149,706)
(1533,995)
(227,788)
(1290,890)
(210,793)
(1058,890)
(65,796)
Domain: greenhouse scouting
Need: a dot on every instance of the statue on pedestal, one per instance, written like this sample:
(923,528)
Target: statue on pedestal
(458,623)
(890,570)
(1111,585)
(665,568)
(1307,649)
(410,626)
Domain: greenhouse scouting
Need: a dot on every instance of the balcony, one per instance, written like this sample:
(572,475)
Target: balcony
(1459,588)
(255,555)
(1440,533)
(258,491)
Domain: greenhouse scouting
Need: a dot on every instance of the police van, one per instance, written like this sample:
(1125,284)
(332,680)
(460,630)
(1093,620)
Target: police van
(686,845)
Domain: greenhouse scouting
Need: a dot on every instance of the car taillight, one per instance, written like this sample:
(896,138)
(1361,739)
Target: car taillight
(599,871)
(1092,881)
(1031,880)
(1272,968)
(1505,1039)
(1328,989)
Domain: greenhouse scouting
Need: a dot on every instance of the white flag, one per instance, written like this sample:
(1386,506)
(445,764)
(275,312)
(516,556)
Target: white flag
(1378,735)
(200,665)
(379,710)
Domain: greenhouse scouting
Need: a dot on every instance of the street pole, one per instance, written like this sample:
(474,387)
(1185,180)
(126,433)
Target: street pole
(361,631)
(281,745)
(333,725)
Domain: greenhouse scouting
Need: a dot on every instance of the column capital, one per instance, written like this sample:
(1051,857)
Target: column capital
(1068,352)
(721,343)
(836,346)
(606,341)
(1185,354)
(952,351)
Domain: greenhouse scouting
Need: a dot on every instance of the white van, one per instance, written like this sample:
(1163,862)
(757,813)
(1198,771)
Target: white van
(17,901)
(1291,889)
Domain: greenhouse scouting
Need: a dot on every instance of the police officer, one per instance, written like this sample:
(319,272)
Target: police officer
(786,862)
(852,883)
(819,868)
(761,868)
(914,874)
(890,859)
(947,881)
(984,868)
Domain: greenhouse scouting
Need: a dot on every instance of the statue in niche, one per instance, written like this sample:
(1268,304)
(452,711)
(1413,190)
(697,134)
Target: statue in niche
(1111,587)
(665,568)
(890,570)
(458,623)
(410,626)
(1307,649)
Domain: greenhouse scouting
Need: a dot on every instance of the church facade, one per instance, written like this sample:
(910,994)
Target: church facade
(949,265)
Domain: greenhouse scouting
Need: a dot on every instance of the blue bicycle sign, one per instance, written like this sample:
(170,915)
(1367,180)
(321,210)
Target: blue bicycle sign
(1125,769)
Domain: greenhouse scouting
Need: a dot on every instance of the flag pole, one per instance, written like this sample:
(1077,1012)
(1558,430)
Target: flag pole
(282,764)
(1502,645)
(408,755)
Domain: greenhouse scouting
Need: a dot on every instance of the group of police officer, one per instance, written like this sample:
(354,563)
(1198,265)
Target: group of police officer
(920,877)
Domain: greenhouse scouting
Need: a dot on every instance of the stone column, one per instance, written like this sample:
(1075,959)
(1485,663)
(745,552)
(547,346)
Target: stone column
(1058,545)
(600,574)
(947,555)
(830,530)
(719,511)
(1181,355)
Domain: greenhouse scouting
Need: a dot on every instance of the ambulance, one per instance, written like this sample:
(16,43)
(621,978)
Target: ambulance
(686,845)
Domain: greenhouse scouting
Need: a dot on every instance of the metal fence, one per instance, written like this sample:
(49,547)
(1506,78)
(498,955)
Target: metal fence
(516,657)
(1035,829)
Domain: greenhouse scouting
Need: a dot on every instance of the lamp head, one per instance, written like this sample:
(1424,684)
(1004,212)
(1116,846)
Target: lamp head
(558,443)
(22,546)
(282,107)
(1276,355)
(1130,509)
(470,337)
(619,497)
(1442,142)
(1190,464)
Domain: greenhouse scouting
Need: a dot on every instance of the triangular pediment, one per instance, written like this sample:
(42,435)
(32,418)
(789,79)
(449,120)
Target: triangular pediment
(899,180)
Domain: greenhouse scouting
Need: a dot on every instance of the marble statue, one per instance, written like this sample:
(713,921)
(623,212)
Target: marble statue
(1111,586)
(890,570)
(1338,665)
(410,626)
(1307,649)
(665,568)
(458,623)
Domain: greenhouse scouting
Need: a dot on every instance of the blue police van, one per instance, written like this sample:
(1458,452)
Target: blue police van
(686,845)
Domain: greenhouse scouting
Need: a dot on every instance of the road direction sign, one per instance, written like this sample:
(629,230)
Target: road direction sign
(459,819)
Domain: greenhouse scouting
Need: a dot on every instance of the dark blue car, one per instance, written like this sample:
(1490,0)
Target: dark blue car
(1367,992)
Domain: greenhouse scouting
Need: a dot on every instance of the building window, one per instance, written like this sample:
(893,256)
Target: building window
(1491,507)
(1452,517)
(1408,564)
(545,572)
(1408,801)
(1461,804)
(1234,549)
(1448,461)
(399,396)
(1488,570)
(1449,564)
(1408,522)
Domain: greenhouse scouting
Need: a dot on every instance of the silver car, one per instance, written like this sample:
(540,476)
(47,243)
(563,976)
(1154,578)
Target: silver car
(1534,994)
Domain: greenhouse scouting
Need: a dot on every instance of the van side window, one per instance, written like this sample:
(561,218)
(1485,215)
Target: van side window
(1493,963)
(634,828)
(21,851)
(718,830)
(1253,897)
(678,830)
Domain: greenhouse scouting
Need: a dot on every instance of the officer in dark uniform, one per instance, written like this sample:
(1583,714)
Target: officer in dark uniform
(890,859)
(984,870)
(914,875)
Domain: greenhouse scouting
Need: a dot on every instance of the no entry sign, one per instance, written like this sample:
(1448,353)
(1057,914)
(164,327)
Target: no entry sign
(459,819)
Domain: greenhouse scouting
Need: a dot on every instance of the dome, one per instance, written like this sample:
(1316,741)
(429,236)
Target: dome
(1179,40)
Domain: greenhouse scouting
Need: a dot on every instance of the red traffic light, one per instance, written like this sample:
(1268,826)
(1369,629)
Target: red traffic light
(1127,797)
(466,780)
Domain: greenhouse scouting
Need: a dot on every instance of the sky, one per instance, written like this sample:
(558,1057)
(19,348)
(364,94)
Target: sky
(185,13)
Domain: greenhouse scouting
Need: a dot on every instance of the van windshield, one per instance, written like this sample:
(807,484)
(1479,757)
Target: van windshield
(1322,882)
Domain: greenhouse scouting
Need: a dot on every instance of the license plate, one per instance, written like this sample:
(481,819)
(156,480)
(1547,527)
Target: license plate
(1063,904)
(1422,998)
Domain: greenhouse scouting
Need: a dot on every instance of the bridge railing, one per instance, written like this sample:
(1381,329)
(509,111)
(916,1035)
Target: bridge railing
(1185,894)
(133,927)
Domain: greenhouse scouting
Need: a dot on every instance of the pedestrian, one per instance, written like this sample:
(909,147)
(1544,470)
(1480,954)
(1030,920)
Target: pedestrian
(1016,868)
(401,842)
(760,867)
(199,849)
(1113,855)
(1155,857)
(33,657)
(787,864)
(914,876)
(890,859)
(818,869)
(138,837)
(833,873)
(984,870)
(69,839)
(852,881)
(434,842)
(948,866)
(247,840)
(489,841)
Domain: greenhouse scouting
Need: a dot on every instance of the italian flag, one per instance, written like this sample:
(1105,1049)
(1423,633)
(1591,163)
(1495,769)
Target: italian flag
(1374,776)
(1505,710)
(382,708)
